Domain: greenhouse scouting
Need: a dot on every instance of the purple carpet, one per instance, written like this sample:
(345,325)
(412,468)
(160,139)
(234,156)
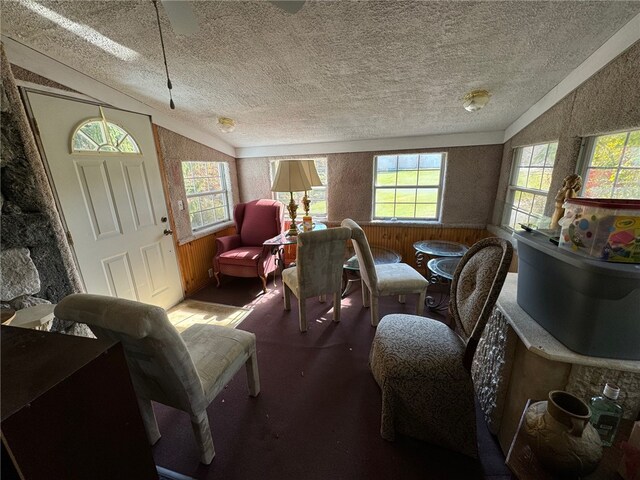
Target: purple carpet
(318,412)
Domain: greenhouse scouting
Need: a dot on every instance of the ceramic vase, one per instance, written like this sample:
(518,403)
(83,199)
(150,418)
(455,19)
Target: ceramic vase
(561,436)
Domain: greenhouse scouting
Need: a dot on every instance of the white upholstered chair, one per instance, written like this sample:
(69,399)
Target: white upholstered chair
(382,280)
(423,367)
(320,256)
(183,371)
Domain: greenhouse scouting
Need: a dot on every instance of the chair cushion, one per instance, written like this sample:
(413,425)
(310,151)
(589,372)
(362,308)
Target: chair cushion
(218,353)
(290,277)
(247,256)
(399,278)
(409,347)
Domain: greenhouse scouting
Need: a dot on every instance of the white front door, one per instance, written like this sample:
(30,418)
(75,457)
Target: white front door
(113,203)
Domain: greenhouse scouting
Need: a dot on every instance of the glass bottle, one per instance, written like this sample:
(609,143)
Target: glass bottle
(606,413)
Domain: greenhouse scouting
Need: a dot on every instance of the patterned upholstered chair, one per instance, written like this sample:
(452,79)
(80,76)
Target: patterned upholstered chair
(185,371)
(382,280)
(318,270)
(242,254)
(423,367)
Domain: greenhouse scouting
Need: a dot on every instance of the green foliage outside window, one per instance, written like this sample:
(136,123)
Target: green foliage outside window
(407,186)
(613,170)
(530,182)
(207,194)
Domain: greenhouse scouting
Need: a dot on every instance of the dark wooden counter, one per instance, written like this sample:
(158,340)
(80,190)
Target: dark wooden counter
(69,410)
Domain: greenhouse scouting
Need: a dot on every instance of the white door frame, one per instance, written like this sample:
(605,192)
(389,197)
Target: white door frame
(24,90)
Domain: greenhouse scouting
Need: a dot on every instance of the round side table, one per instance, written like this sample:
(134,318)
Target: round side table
(351,267)
(433,253)
(428,249)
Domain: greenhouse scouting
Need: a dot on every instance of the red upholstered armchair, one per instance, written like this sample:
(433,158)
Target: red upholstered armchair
(242,254)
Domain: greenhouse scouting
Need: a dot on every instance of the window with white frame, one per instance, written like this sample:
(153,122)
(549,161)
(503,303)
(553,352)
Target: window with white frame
(317,195)
(612,166)
(208,193)
(408,186)
(529,185)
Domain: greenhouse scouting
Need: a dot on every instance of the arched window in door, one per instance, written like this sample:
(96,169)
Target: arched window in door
(97,135)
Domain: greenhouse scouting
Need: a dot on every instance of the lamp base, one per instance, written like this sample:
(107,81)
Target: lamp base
(292,232)
(292,208)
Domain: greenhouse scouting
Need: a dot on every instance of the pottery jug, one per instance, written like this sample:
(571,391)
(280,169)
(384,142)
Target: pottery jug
(561,436)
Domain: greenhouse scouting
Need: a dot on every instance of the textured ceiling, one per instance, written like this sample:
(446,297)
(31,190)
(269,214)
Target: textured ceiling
(334,71)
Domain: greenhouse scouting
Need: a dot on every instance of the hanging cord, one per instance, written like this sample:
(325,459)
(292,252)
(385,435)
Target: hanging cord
(164,55)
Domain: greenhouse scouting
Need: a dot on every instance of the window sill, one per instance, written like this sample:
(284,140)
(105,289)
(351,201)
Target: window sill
(424,223)
(205,232)
(504,234)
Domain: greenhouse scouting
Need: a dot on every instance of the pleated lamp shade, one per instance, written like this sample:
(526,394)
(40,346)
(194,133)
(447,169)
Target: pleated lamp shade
(291,177)
(310,169)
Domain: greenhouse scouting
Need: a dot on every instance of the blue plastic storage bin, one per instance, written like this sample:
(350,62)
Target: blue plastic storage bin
(592,307)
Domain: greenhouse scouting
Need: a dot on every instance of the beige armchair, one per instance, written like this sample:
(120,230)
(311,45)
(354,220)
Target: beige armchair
(382,280)
(183,371)
(423,367)
(318,270)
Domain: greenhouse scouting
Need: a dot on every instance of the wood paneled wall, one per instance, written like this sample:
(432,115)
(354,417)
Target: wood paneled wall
(196,258)
(402,238)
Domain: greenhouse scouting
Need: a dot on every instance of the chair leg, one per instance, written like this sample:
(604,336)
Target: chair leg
(253,377)
(420,305)
(202,431)
(287,296)
(149,420)
(302,312)
(217,275)
(374,311)
(365,294)
(337,304)
(264,283)
(402,298)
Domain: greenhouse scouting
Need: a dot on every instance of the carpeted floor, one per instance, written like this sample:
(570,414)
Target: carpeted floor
(318,413)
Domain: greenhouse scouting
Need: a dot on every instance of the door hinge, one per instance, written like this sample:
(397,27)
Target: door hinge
(69,238)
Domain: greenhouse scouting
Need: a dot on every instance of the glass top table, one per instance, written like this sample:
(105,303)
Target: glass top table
(444,267)
(440,248)
(351,267)
(284,239)
(381,256)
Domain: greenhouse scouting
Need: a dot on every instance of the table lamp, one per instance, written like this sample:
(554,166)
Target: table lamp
(291,177)
(312,174)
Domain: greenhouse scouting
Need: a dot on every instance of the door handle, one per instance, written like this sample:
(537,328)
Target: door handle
(167,231)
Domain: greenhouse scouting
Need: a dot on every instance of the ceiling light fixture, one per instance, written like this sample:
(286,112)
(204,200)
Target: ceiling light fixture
(226,125)
(475,100)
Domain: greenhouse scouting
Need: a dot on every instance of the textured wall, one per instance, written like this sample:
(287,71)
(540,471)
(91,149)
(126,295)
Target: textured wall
(29,215)
(607,102)
(174,148)
(470,183)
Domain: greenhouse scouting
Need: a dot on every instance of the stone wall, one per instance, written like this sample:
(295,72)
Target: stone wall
(30,225)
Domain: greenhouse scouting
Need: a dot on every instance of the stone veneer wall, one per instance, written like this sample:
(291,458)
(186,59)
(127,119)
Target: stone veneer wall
(609,101)
(470,183)
(175,148)
(29,216)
